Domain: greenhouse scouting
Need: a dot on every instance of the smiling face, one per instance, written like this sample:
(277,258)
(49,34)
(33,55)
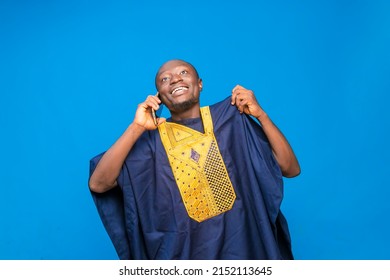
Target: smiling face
(179,86)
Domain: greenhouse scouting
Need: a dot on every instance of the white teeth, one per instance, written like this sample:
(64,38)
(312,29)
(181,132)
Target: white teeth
(177,89)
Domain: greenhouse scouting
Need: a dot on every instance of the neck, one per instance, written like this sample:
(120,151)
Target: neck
(193,112)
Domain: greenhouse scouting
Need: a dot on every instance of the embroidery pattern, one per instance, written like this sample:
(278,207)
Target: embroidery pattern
(198,168)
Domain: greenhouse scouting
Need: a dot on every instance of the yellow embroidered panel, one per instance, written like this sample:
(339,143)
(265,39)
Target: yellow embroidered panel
(198,168)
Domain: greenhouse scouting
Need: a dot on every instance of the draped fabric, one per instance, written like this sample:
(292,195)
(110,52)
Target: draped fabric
(145,216)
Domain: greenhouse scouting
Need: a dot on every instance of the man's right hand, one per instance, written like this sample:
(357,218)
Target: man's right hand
(143,116)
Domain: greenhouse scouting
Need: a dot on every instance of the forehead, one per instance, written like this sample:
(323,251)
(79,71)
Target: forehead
(172,65)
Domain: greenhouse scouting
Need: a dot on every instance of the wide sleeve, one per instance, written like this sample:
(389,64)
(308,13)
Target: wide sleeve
(111,211)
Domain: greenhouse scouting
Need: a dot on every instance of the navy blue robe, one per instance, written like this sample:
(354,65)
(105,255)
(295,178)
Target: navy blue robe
(145,216)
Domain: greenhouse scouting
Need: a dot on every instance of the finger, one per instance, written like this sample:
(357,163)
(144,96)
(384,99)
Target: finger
(153,102)
(242,104)
(237,87)
(157,97)
(235,92)
(247,95)
(246,100)
(148,105)
(238,100)
(161,120)
(154,97)
(239,96)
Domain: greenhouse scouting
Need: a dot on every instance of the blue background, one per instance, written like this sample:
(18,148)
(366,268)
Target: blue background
(73,72)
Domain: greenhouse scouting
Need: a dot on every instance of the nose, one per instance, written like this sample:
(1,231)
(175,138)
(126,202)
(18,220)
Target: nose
(176,78)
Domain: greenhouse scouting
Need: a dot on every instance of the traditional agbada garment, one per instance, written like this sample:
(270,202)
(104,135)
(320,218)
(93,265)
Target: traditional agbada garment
(147,216)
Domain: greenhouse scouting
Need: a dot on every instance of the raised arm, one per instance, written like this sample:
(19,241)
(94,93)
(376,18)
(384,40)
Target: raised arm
(246,102)
(107,170)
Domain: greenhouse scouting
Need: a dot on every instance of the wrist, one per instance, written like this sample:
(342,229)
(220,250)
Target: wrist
(263,118)
(136,128)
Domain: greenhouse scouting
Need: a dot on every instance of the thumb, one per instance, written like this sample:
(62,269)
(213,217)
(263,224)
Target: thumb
(161,120)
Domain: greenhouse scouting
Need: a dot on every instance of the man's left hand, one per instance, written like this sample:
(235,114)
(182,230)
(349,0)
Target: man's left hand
(246,102)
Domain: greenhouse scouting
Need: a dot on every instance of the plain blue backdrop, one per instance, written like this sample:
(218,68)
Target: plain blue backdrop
(73,72)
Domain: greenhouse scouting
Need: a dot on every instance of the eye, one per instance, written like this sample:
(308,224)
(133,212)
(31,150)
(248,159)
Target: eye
(165,79)
(183,72)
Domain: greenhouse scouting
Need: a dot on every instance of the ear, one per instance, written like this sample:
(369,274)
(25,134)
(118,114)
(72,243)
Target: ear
(200,84)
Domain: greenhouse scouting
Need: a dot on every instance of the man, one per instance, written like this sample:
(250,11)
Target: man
(204,184)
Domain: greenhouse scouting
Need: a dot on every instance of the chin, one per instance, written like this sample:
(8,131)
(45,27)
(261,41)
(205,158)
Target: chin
(185,105)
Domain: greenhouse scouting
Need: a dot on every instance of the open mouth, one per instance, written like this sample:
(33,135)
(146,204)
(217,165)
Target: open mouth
(179,90)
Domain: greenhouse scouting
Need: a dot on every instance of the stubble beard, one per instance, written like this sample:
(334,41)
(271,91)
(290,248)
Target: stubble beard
(185,105)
